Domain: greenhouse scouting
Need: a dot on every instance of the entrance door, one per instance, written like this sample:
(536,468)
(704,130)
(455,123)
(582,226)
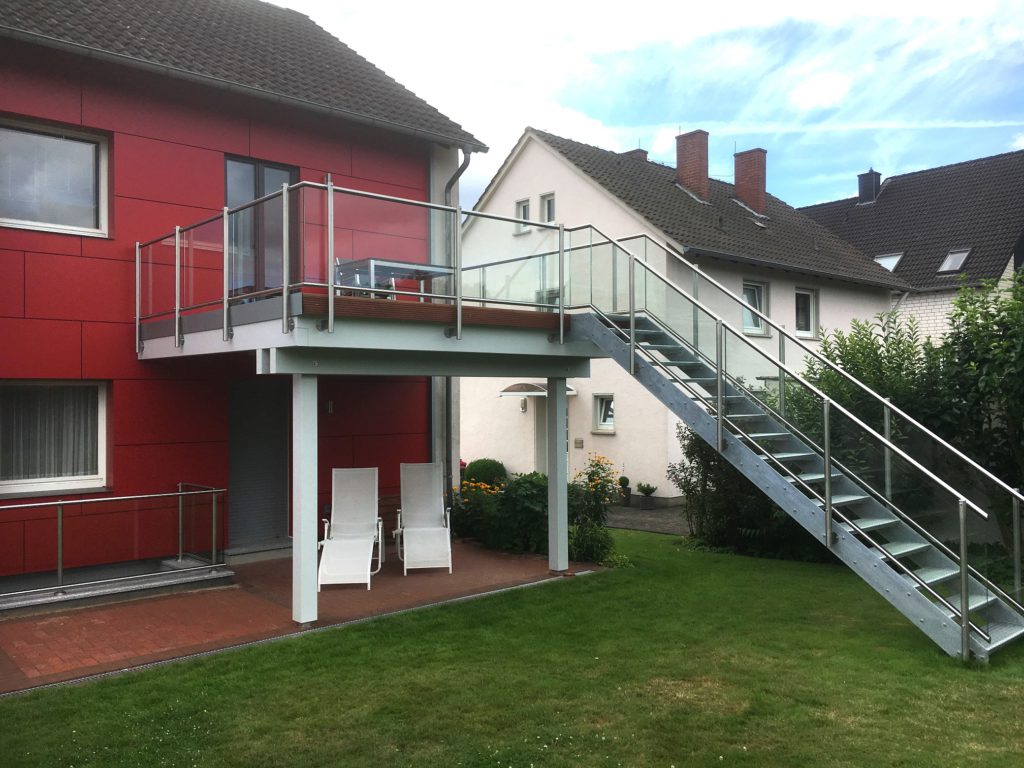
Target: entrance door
(256,232)
(258,425)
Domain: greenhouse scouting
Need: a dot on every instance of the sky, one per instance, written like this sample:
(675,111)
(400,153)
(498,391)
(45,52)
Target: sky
(828,89)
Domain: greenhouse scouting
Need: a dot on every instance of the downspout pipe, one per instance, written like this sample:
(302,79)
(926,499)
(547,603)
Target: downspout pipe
(448,394)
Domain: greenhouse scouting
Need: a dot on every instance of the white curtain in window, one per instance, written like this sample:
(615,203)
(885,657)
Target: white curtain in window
(48,431)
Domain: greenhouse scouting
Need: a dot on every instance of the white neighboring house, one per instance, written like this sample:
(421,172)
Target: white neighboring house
(792,269)
(937,228)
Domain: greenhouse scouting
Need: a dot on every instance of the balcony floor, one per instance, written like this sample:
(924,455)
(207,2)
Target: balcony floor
(55,646)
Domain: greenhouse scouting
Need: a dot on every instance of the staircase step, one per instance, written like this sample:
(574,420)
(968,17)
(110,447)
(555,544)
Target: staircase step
(812,477)
(1002,634)
(684,363)
(844,499)
(662,347)
(976,600)
(870,523)
(935,575)
(768,435)
(905,548)
(792,455)
(746,415)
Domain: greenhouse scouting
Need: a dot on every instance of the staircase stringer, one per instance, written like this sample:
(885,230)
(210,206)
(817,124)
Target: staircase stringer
(864,561)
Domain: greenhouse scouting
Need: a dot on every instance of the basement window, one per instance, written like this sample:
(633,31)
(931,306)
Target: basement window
(889,260)
(954,261)
(52,437)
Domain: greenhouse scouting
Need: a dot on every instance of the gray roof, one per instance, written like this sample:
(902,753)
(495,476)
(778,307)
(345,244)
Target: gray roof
(978,204)
(254,47)
(724,229)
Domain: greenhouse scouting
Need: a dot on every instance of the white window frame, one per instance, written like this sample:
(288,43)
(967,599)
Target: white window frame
(957,256)
(884,259)
(544,201)
(102,181)
(601,427)
(522,212)
(813,295)
(49,486)
(758,327)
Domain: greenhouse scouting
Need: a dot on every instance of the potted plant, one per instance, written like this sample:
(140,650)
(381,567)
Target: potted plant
(647,502)
(627,492)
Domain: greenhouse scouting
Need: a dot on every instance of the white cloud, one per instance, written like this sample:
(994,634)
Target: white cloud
(820,90)
(1018,141)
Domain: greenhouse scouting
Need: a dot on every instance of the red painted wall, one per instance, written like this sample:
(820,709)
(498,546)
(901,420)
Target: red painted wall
(67,302)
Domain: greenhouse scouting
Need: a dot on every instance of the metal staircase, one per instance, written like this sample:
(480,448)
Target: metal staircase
(882,499)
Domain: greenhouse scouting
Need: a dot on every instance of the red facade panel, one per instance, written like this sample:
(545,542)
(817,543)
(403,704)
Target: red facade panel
(137,220)
(12,283)
(391,164)
(43,87)
(40,349)
(75,288)
(162,171)
(324,147)
(158,411)
(12,548)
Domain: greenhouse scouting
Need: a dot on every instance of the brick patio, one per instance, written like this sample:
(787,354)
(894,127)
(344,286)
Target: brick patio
(69,643)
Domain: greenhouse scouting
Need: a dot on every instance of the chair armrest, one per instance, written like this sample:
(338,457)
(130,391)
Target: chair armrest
(399,521)
(327,532)
(447,517)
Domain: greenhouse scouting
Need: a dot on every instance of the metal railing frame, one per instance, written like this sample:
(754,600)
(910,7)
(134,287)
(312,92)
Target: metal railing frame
(59,504)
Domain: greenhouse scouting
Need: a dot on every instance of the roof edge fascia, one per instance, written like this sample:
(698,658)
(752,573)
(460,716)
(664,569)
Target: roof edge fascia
(247,90)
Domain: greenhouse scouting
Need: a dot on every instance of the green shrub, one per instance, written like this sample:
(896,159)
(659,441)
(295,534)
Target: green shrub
(490,471)
(474,508)
(520,524)
(589,542)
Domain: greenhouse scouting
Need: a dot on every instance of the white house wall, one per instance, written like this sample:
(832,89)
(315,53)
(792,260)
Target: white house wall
(644,441)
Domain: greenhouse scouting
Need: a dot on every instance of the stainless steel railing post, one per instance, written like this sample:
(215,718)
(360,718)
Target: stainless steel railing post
(561,284)
(696,311)
(330,254)
(631,283)
(458,271)
(181,531)
(887,424)
(177,287)
(782,375)
(1016,548)
(965,606)
(286,325)
(213,532)
(60,545)
(226,305)
(138,298)
(720,381)
(826,416)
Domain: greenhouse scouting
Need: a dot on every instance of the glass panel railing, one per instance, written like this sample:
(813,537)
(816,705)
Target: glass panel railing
(202,265)
(507,261)
(156,279)
(684,319)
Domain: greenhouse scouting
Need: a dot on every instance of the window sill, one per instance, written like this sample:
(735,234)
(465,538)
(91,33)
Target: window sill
(807,336)
(42,488)
(608,432)
(53,229)
(757,333)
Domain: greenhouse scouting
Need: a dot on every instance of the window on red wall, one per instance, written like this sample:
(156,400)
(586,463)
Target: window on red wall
(52,179)
(52,437)
(257,231)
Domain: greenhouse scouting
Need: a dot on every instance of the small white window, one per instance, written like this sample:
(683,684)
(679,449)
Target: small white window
(53,437)
(52,179)
(522,212)
(806,306)
(547,207)
(754,295)
(889,260)
(955,259)
(604,413)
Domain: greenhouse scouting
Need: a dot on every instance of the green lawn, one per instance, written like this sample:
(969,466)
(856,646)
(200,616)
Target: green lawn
(688,658)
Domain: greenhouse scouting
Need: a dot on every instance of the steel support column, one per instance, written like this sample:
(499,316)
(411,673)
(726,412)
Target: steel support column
(304,498)
(558,477)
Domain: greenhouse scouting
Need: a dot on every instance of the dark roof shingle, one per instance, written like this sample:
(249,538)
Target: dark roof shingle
(268,50)
(788,240)
(978,204)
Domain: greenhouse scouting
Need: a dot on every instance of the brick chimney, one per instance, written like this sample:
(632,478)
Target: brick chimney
(750,179)
(636,154)
(868,185)
(692,162)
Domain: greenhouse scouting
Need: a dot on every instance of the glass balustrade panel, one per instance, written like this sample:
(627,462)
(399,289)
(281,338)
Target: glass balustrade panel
(202,266)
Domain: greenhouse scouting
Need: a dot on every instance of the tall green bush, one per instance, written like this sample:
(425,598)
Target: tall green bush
(490,471)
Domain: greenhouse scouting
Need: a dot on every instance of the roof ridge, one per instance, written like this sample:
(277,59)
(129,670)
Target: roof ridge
(950,166)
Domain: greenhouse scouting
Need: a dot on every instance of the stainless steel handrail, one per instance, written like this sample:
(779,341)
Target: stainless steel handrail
(821,358)
(107,499)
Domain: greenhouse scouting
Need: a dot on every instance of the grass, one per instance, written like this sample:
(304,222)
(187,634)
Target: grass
(689,658)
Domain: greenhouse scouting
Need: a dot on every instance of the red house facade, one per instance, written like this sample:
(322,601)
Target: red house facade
(114,130)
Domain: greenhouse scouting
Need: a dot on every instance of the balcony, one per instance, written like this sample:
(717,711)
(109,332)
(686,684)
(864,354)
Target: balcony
(321,279)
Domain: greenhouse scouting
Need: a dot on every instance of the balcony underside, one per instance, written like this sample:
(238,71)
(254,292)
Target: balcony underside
(378,337)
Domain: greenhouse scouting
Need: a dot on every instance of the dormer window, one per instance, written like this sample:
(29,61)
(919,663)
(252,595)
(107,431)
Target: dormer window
(954,260)
(889,260)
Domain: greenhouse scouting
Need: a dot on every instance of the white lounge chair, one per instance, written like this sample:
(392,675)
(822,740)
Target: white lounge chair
(424,535)
(352,531)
